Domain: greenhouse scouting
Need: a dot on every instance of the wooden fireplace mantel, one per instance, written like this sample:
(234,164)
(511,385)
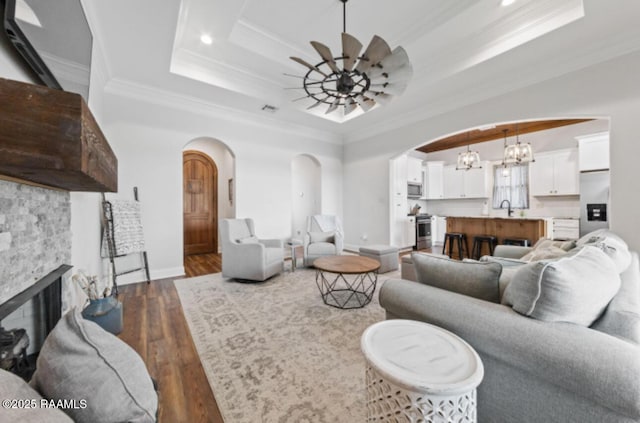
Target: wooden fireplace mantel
(50,137)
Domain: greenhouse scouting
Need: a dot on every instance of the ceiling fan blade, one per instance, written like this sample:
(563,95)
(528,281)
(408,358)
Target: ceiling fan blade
(401,74)
(350,106)
(390,88)
(309,65)
(301,98)
(326,55)
(333,106)
(350,50)
(365,102)
(316,104)
(379,97)
(377,50)
(397,59)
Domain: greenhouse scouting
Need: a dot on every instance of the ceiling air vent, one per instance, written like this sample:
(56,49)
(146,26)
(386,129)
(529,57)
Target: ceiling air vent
(269,108)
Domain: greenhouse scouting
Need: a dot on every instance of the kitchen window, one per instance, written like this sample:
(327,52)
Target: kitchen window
(512,185)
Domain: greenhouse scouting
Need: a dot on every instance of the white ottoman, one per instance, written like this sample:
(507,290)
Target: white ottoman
(417,372)
(385,254)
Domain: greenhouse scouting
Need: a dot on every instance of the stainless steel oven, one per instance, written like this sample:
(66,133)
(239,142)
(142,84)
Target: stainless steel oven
(423,231)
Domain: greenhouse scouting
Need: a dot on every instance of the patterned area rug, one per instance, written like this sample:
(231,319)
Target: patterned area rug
(274,352)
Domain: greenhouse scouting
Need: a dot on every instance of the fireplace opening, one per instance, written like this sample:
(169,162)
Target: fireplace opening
(47,296)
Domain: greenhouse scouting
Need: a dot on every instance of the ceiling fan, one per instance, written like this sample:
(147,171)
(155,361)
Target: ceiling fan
(350,80)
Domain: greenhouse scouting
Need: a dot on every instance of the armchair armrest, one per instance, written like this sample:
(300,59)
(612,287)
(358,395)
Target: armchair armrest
(583,361)
(511,251)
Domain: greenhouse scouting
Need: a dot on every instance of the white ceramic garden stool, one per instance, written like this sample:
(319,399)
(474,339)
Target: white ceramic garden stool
(417,372)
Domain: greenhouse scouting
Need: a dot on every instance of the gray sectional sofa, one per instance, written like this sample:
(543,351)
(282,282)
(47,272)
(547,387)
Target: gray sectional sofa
(547,358)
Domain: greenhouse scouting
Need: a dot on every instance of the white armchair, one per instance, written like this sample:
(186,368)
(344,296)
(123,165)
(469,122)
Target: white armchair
(324,237)
(246,257)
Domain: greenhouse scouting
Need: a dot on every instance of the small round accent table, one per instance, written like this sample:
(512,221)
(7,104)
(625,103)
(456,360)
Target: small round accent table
(346,281)
(417,372)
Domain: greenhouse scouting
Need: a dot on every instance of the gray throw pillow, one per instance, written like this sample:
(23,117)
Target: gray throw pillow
(574,289)
(14,388)
(622,317)
(80,360)
(475,279)
(611,244)
(322,236)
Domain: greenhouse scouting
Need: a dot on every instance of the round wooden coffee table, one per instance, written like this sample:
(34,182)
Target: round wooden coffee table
(346,281)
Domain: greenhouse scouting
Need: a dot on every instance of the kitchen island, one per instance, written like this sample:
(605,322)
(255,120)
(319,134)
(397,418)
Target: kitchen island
(501,227)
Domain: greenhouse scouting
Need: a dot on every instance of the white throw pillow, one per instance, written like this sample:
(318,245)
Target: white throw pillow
(574,289)
(611,244)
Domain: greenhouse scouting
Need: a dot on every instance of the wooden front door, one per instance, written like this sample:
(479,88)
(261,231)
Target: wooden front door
(200,183)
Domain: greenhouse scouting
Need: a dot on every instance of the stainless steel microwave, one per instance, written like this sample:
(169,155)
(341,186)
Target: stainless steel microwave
(414,190)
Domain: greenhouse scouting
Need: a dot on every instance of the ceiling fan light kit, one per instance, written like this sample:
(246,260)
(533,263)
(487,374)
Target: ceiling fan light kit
(351,81)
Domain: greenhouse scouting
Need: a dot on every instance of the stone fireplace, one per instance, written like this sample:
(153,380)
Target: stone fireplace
(35,239)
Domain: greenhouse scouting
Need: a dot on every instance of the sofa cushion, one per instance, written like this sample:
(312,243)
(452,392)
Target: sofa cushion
(622,316)
(575,288)
(14,388)
(611,244)
(544,253)
(322,236)
(472,278)
(80,360)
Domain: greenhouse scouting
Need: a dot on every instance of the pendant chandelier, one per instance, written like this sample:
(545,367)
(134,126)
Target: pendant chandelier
(338,82)
(517,153)
(468,159)
(506,169)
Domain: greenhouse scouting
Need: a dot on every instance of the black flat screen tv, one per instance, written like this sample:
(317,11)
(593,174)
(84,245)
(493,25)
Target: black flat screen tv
(54,38)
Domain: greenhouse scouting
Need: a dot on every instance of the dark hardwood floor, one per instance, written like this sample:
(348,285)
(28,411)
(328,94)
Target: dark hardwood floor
(155,327)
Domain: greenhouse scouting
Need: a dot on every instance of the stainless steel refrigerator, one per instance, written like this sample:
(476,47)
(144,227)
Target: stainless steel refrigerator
(594,201)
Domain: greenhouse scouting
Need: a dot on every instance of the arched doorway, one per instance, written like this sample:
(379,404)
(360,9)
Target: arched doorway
(200,199)
(306,192)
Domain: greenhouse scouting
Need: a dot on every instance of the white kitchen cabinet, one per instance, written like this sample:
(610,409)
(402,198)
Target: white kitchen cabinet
(472,183)
(399,174)
(414,170)
(563,229)
(434,184)
(593,151)
(399,204)
(476,181)
(453,182)
(555,173)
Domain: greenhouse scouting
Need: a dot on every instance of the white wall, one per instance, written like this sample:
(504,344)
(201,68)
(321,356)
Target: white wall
(306,193)
(148,140)
(606,90)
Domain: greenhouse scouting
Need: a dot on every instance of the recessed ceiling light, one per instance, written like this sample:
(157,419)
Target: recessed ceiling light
(507,2)
(206,39)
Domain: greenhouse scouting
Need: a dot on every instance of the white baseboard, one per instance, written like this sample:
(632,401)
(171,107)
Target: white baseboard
(136,277)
